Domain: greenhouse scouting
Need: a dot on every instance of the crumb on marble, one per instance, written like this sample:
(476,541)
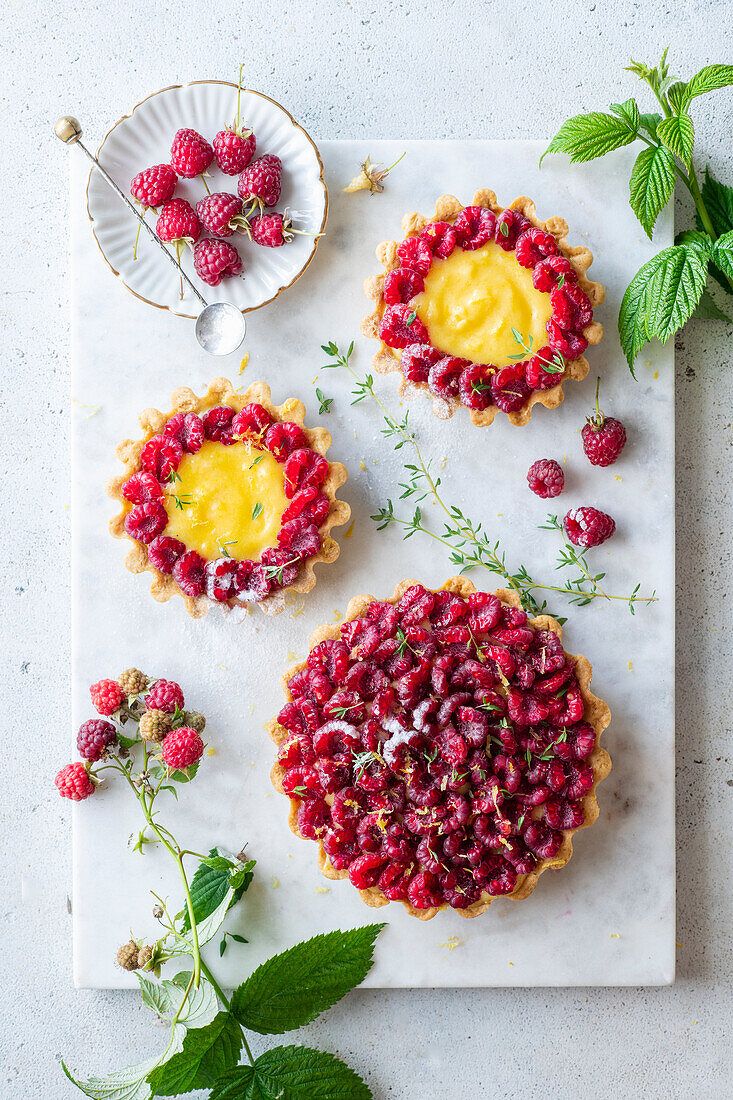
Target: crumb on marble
(451,943)
(349,530)
(615,936)
(243,364)
(323,889)
(210,752)
(631,666)
(337,615)
(362,465)
(275,882)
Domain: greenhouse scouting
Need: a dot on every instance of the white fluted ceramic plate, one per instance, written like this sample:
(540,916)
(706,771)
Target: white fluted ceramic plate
(143,138)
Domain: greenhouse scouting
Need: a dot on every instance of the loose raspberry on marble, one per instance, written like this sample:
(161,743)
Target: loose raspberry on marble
(191,154)
(219,425)
(474,226)
(164,552)
(440,237)
(415,253)
(416,361)
(261,180)
(144,522)
(189,573)
(444,377)
(154,186)
(401,285)
(215,260)
(604,437)
(545,478)
(554,271)
(509,224)
(304,468)
(253,419)
(534,245)
(74,782)
(400,326)
(188,431)
(165,695)
(107,696)
(588,526)
(142,487)
(509,388)
(220,213)
(182,748)
(284,438)
(161,456)
(94,737)
(474,386)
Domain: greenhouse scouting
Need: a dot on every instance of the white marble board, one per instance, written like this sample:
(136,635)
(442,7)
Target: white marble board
(605,919)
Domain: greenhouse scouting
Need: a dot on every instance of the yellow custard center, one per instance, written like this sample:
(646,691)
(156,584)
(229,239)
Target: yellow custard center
(228,499)
(473,300)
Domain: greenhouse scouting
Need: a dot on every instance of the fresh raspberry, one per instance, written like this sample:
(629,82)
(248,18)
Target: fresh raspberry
(273,230)
(509,388)
(401,285)
(178,224)
(604,437)
(234,150)
(509,225)
(474,386)
(189,573)
(74,782)
(253,583)
(571,308)
(284,438)
(414,253)
(416,361)
(252,420)
(221,577)
(93,738)
(141,488)
(533,246)
(280,566)
(216,260)
(154,725)
(299,537)
(474,226)
(154,186)
(261,180)
(538,374)
(553,271)
(309,502)
(588,527)
(107,696)
(219,424)
(545,478)
(144,522)
(400,326)
(160,456)
(188,431)
(127,956)
(181,748)
(190,153)
(164,695)
(304,467)
(568,344)
(220,213)
(164,552)
(365,870)
(440,237)
(444,377)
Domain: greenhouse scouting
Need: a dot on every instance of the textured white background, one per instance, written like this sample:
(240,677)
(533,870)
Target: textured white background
(349,70)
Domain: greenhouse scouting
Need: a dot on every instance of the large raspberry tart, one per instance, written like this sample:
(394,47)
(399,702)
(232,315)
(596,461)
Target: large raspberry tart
(228,498)
(484,307)
(440,747)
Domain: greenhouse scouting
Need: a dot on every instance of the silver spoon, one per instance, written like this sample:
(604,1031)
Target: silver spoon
(220,327)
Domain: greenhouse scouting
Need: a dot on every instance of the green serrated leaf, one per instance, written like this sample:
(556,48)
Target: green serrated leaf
(722,254)
(292,988)
(129,1083)
(707,309)
(649,123)
(207,1053)
(678,95)
(236,1084)
(127,742)
(585,137)
(209,887)
(651,185)
(678,134)
(298,1073)
(694,239)
(710,79)
(629,112)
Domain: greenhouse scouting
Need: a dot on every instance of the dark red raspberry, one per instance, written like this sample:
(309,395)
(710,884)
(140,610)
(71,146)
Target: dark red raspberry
(304,467)
(545,478)
(219,424)
(165,695)
(164,552)
(107,696)
(280,566)
(189,573)
(141,488)
(416,361)
(424,891)
(543,841)
(302,783)
(93,738)
(509,388)
(220,213)
(261,180)
(400,326)
(569,344)
(545,369)
(310,503)
(221,575)
(299,537)
(588,527)
(571,308)
(401,285)
(154,186)
(365,870)
(234,150)
(253,583)
(187,429)
(414,253)
(252,420)
(474,226)
(560,814)
(474,387)
(284,438)
(144,522)
(604,438)
(216,260)
(74,782)
(509,225)
(182,748)
(534,245)
(444,377)
(178,223)
(190,153)
(440,237)
(160,456)
(552,272)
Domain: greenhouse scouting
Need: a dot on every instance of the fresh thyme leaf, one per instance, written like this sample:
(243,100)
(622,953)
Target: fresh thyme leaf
(256,462)
(258,509)
(326,402)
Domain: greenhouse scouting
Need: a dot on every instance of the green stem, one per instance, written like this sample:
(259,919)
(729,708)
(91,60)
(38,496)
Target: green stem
(227,1004)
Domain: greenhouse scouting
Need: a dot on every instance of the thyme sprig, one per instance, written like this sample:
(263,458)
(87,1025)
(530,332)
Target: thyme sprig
(554,365)
(469,545)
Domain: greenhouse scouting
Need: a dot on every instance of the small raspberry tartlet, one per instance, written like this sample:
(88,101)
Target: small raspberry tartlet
(484,307)
(228,499)
(440,747)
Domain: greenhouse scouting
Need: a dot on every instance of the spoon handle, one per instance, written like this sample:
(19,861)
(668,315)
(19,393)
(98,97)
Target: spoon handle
(67,129)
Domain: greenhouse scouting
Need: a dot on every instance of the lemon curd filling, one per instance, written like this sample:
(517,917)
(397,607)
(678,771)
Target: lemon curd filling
(472,300)
(231,499)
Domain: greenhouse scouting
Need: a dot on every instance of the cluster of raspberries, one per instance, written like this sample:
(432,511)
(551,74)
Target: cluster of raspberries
(155,706)
(479,385)
(437,750)
(221,214)
(223,579)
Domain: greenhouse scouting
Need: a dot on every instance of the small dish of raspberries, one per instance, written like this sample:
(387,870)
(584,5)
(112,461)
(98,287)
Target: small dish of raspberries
(217,192)
(440,748)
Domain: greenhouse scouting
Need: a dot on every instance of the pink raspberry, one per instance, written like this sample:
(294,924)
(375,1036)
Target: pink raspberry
(416,361)
(272,230)
(401,285)
(571,308)
(553,271)
(588,527)
(304,467)
(261,180)
(144,522)
(445,375)
(509,388)
(190,153)
(181,748)
(93,738)
(533,246)
(74,782)
(189,573)
(474,226)
(164,695)
(141,488)
(509,225)
(400,326)
(253,582)
(178,223)
(604,437)
(538,373)
(160,456)
(234,150)
(474,386)
(251,420)
(280,566)
(221,576)
(300,537)
(440,237)
(219,424)
(216,260)
(107,696)
(414,253)
(164,552)
(284,438)
(154,186)
(310,503)
(188,431)
(569,344)
(220,213)
(545,478)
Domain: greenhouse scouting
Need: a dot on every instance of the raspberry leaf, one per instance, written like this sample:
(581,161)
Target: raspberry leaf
(710,79)
(300,1073)
(628,112)
(207,1052)
(723,253)
(165,997)
(678,134)
(210,886)
(651,185)
(292,988)
(585,137)
(129,1083)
